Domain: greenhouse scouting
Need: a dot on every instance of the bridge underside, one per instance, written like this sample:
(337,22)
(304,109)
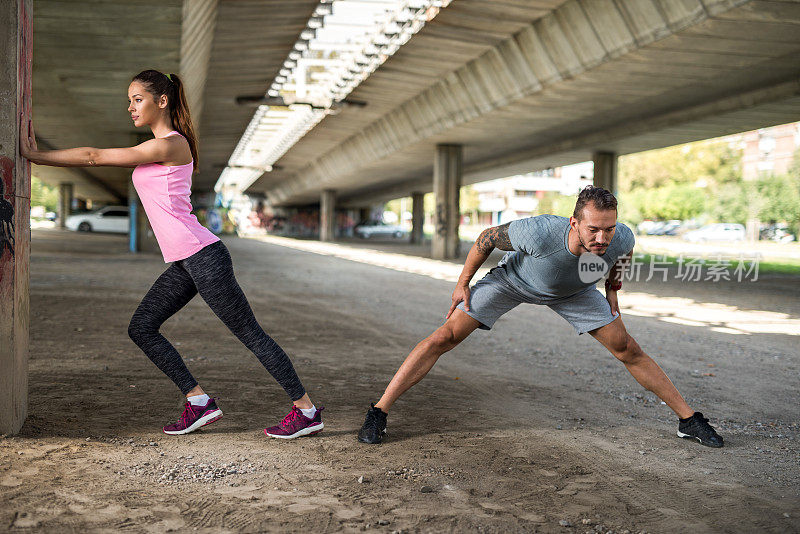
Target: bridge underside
(524,91)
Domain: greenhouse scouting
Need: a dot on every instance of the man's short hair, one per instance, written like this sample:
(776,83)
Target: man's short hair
(601,198)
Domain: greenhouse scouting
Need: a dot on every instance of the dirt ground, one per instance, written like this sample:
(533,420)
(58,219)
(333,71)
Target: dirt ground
(525,428)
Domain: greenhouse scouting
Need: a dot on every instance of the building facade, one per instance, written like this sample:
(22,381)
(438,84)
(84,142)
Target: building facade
(770,150)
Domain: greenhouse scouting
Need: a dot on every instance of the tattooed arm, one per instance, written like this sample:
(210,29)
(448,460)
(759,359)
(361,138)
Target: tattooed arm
(490,239)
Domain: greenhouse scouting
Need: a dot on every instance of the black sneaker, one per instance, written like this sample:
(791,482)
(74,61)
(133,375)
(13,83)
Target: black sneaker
(374,426)
(697,427)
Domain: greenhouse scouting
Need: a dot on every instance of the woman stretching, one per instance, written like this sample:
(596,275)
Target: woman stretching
(200,261)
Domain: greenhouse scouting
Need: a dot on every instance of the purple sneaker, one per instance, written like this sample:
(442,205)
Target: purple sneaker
(194,417)
(295,424)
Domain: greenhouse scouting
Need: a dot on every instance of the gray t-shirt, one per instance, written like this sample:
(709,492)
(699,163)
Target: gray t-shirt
(542,264)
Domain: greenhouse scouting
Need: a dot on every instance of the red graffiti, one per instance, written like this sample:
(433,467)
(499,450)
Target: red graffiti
(7,173)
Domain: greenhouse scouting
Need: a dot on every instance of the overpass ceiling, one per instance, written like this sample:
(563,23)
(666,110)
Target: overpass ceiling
(625,77)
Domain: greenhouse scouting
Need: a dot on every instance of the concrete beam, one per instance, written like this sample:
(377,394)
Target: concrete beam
(327,215)
(605,171)
(590,142)
(417,217)
(16,50)
(575,149)
(447,168)
(65,195)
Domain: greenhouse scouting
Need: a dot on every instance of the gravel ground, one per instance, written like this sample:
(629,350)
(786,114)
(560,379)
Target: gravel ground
(525,428)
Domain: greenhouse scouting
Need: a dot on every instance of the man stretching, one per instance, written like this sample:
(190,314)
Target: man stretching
(544,269)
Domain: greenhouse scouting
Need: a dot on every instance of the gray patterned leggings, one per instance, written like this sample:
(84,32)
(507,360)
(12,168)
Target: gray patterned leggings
(209,272)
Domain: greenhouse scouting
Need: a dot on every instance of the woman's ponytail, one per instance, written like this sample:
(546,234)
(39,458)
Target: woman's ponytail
(179,112)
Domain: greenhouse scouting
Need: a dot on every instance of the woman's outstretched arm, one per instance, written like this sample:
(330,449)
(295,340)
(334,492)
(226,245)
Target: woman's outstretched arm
(152,151)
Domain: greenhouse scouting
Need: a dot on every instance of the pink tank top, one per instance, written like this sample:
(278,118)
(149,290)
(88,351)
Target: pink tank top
(164,191)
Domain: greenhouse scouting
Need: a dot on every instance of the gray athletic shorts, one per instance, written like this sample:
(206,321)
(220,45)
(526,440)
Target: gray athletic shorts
(493,295)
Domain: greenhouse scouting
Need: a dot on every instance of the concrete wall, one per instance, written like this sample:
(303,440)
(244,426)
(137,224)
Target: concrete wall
(16,35)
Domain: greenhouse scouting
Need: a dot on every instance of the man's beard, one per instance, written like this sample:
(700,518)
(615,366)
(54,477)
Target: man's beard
(587,249)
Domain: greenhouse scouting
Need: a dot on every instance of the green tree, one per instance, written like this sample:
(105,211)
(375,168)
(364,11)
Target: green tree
(43,195)
(733,202)
(714,161)
(779,199)
(680,182)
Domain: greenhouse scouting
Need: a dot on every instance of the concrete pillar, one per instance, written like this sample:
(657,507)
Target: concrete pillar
(134,214)
(16,47)
(65,197)
(605,171)
(417,217)
(327,215)
(447,168)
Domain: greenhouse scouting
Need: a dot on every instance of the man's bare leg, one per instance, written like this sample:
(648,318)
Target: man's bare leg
(644,369)
(425,354)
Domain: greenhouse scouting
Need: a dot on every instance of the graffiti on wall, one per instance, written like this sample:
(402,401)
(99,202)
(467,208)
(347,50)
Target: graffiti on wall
(6,210)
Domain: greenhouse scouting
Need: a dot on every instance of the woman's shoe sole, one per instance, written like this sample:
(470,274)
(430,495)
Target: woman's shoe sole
(305,432)
(207,419)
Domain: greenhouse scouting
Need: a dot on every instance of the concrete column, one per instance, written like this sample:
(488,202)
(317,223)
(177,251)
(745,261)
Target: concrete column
(65,197)
(605,171)
(447,169)
(16,47)
(417,217)
(327,215)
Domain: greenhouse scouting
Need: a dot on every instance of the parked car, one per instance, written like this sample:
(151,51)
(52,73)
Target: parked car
(717,232)
(109,219)
(366,230)
(665,228)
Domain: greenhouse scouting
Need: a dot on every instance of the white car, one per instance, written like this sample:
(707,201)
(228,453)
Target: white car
(717,232)
(109,219)
(378,228)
